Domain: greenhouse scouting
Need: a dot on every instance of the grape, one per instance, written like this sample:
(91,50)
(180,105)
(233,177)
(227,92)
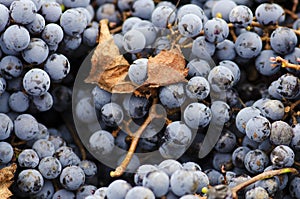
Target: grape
(157,181)
(4,97)
(172,96)
(51,11)
(197,115)
(184,182)
(141,172)
(148,30)
(221,160)
(143,9)
(139,191)
(257,192)
(46,192)
(272,90)
(6,152)
(256,161)
(43,148)
(219,8)
(125,5)
(76,3)
(22,12)
(271,185)
(28,158)
(169,166)
(214,177)
(161,43)
(101,192)
(220,78)
(72,177)
(248,45)
(294,187)
(189,197)
(191,9)
(273,109)
(269,14)
(63,194)
(241,16)
(129,23)
(73,22)
(283,40)
(197,88)
(221,111)
(52,34)
(258,128)
(2,85)
(198,67)
(216,30)
(57,141)
(244,115)
(26,127)
(282,156)
(234,69)
(36,52)
(30,181)
(288,86)
(4,17)
(263,65)
(138,71)
(225,49)
(202,48)
(84,191)
(57,66)
(36,82)
(238,156)
(226,142)
(118,189)
(89,168)
(136,107)
(11,67)
(85,110)
(191,166)
(71,42)
(50,167)
(6,126)
(102,142)
(18,102)
(190,25)
(281,133)
(112,114)
(66,156)
(90,36)
(221,191)
(16,37)
(100,97)
(134,41)
(108,11)
(43,102)
(162,16)
(6,50)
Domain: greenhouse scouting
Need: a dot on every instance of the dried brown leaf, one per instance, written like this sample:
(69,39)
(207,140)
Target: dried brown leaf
(6,176)
(168,67)
(109,67)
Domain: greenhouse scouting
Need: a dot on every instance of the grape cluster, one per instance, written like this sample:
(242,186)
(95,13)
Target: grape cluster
(241,92)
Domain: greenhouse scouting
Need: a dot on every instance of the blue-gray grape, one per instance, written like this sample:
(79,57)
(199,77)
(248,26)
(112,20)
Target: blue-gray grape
(72,177)
(30,181)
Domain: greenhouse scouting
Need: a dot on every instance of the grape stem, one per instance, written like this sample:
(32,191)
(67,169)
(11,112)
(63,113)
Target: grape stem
(136,136)
(284,63)
(262,176)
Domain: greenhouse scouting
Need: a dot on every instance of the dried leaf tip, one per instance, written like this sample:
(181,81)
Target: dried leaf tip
(6,176)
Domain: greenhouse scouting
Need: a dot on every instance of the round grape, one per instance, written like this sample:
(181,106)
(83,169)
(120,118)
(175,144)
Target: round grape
(36,82)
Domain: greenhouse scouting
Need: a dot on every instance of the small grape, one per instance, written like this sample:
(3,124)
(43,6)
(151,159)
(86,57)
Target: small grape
(198,67)
(172,96)
(143,9)
(46,192)
(283,40)
(19,102)
(22,12)
(102,142)
(157,181)
(214,177)
(63,194)
(30,181)
(43,148)
(257,192)
(269,14)
(89,168)
(84,191)
(190,25)
(138,71)
(197,88)
(238,156)
(11,67)
(26,127)
(72,177)
(66,156)
(57,66)
(112,114)
(258,128)
(282,156)
(50,167)
(244,115)
(51,11)
(169,166)
(248,45)
(139,191)
(16,37)
(256,161)
(6,152)
(281,133)
(118,189)
(197,115)
(162,16)
(28,158)
(241,16)
(216,30)
(134,41)
(73,22)
(6,126)
(220,78)
(36,52)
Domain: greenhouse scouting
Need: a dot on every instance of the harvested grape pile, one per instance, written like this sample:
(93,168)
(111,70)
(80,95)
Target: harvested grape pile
(113,99)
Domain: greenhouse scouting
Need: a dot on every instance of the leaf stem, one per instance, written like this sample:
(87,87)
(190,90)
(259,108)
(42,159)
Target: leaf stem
(122,167)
